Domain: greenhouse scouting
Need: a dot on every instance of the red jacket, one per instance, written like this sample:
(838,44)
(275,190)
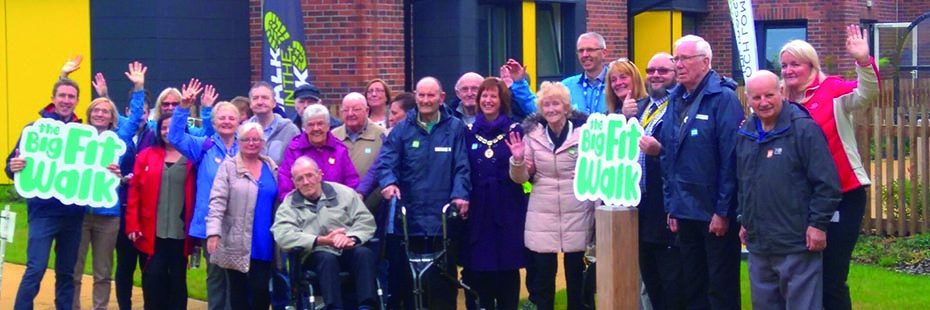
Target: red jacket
(144,189)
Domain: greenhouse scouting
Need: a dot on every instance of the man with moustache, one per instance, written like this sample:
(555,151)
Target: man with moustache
(423,163)
(466,89)
(788,190)
(659,255)
(696,141)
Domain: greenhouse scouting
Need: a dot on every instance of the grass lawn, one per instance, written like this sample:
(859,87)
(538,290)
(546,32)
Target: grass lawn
(16,251)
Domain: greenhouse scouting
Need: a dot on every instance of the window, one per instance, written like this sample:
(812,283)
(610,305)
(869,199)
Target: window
(496,40)
(770,37)
(549,40)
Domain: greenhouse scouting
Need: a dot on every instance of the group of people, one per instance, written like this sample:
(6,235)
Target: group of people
(251,185)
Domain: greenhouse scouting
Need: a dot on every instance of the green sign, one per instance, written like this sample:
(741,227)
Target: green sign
(69,162)
(608,160)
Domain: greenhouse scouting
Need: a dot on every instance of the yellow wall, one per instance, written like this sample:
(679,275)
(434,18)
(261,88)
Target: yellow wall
(529,41)
(38,37)
(653,32)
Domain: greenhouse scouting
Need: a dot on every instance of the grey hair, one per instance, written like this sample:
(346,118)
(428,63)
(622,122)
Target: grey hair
(303,161)
(700,45)
(597,36)
(315,110)
(354,96)
(468,75)
(248,126)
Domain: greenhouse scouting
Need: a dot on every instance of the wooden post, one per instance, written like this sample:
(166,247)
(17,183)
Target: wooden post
(617,233)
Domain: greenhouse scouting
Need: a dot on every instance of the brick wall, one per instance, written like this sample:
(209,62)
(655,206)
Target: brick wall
(826,22)
(609,19)
(347,43)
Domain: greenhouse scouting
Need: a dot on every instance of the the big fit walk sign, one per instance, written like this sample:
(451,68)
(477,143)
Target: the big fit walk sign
(69,162)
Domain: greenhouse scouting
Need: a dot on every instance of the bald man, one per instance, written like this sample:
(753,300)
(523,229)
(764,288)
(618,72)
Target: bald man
(466,89)
(329,221)
(788,190)
(423,163)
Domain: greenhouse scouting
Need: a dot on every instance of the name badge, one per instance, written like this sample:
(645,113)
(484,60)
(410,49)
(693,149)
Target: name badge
(217,160)
(415,144)
(702,117)
(474,146)
(367,150)
(332,161)
(443,149)
(694,132)
(836,217)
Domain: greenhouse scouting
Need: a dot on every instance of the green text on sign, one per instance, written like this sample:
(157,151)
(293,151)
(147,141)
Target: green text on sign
(608,160)
(69,162)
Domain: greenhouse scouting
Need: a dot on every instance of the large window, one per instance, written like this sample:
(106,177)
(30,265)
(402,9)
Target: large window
(497,41)
(549,39)
(770,37)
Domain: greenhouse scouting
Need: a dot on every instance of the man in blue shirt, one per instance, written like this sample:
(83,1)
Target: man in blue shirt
(587,88)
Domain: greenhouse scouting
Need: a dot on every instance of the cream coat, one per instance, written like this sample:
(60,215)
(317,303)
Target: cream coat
(555,220)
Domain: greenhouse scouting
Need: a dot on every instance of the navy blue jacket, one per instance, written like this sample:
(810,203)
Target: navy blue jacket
(698,158)
(430,168)
(787,182)
(38,207)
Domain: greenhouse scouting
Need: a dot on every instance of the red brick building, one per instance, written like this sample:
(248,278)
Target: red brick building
(352,41)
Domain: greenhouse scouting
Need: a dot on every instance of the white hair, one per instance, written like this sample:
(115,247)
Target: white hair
(468,75)
(597,36)
(314,110)
(248,126)
(354,96)
(700,45)
(304,161)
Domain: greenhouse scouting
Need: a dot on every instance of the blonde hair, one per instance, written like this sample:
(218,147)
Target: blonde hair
(114,116)
(805,52)
(223,105)
(161,97)
(553,89)
(637,87)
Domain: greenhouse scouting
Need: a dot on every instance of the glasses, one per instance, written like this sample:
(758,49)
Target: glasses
(469,88)
(589,50)
(660,71)
(171,103)
(684,58)
(252,140)
(376,91)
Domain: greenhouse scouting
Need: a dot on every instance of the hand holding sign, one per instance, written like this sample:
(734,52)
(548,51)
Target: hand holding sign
(68,162)
(608,160)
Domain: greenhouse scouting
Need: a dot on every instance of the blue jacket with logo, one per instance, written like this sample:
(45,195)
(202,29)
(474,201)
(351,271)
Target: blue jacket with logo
(430,168)
(207,157)
(698,151)
(586,98)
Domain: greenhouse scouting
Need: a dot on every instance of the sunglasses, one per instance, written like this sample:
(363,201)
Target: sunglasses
(662,71)
(171,103)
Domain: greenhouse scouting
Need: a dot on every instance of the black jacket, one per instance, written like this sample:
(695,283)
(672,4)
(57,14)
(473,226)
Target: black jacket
(787,182)
(653,227)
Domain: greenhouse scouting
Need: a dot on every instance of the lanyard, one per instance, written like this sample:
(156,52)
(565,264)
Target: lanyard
(650,116)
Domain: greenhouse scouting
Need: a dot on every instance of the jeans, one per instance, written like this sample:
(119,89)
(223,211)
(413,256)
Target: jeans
(66,232)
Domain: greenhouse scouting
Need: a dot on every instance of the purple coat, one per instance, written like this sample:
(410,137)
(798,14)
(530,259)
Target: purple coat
(493,239)
(332,157)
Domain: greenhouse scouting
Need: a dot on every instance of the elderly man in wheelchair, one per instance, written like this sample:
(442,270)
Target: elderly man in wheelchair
(330,223)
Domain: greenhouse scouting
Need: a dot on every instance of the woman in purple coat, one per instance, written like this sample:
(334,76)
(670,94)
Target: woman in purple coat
(492,250)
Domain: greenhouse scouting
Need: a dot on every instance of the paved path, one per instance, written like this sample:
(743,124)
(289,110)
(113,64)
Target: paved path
(12,273)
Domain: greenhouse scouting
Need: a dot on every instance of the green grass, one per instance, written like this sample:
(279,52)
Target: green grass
(16,251)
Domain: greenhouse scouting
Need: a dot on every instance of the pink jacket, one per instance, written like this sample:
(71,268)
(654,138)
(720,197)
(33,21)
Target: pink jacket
(555,220)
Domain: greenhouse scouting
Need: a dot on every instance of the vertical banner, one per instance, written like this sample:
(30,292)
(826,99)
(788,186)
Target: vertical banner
(284,60)
(744,29)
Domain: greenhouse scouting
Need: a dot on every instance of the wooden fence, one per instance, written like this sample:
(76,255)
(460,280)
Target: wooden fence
(893,144)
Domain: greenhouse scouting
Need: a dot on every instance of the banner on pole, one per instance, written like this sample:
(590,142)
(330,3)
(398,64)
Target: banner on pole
(608,160)
(284,60)
(744,29)
(69,162)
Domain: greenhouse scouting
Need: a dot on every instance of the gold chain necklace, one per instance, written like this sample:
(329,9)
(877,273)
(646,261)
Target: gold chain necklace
(489,152)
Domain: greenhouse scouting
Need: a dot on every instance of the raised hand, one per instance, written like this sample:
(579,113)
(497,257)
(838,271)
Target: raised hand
(857,44)
(517,71)
(209,97)
(100,85)
(505,75)
(71,65)
(515,143)
(189,93)
(629,105)
(136,75)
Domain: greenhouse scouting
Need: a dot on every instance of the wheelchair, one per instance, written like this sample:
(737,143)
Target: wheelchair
(304,284)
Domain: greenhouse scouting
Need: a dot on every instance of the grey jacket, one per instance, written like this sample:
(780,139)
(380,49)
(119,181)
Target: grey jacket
(299,222)
(787,182)
(232,212)
(279,138)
